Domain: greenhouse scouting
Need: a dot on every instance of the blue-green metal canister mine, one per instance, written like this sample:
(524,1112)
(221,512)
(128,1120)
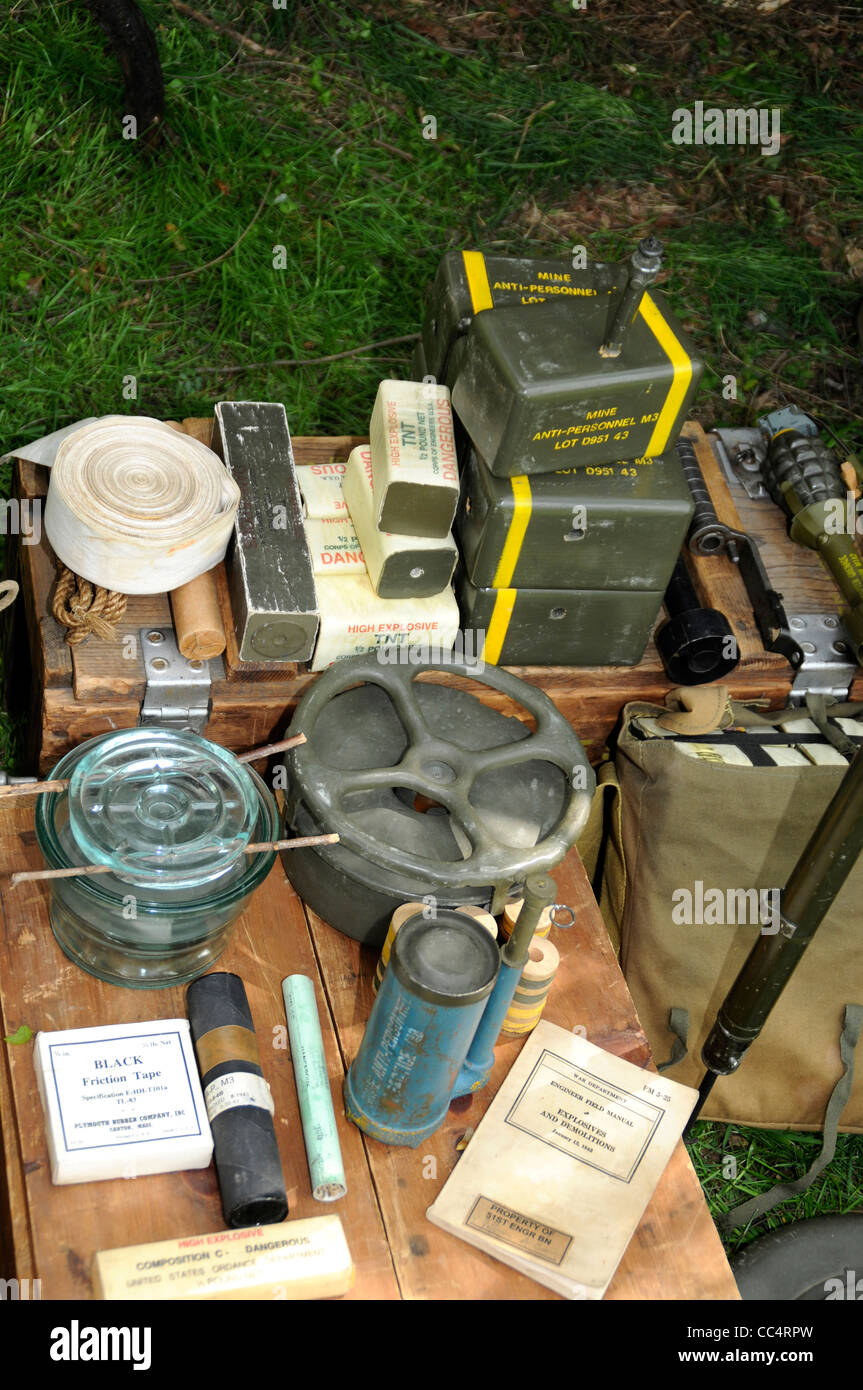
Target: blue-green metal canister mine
(425,1015)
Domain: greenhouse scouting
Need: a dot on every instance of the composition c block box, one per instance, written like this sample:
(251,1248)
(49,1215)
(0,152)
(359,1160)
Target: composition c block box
(270,576)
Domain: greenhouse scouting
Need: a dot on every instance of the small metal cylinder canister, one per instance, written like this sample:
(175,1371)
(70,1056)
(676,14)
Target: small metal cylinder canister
(440,974)
(407,910)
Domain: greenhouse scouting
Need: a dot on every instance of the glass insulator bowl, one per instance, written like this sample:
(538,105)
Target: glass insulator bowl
(147,931)
(160,806)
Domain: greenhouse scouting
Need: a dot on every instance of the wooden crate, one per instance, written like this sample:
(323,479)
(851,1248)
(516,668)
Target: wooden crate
(92,688)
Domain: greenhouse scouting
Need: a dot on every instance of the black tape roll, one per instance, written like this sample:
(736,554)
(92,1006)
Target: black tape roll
(246,1152)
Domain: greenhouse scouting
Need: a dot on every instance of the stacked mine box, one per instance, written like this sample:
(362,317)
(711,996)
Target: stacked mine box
(569,387)
(379,530)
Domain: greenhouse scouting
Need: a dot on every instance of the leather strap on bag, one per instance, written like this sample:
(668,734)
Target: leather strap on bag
(819,713)
(781,1191)
(678,1024)
(748,716)
(698,709)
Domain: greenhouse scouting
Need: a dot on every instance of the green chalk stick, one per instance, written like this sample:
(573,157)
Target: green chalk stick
(323,1151)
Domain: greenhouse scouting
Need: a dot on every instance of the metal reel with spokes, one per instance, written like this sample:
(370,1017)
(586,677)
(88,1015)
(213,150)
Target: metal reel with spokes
(431,791)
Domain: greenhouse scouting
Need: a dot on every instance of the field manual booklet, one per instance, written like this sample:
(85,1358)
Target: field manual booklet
(564,1162)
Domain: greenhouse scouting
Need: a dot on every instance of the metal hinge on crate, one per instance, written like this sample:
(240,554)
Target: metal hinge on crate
(828,665)
(178,690)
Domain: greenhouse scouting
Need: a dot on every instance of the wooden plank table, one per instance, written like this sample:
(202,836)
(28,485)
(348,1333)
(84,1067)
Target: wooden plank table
(51,1233)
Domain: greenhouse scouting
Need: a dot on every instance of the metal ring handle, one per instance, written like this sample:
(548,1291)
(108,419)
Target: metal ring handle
(323,788)
(561,907)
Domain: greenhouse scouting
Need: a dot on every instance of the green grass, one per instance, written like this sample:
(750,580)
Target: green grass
(553,129)
(105,261)
(760,1158)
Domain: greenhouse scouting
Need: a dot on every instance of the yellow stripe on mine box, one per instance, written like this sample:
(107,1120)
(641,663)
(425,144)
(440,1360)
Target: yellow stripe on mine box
(499,625)
(522,507)
(682,367)
(477,280)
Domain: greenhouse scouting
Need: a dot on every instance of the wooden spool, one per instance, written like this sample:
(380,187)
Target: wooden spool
(510,917)
(531,993)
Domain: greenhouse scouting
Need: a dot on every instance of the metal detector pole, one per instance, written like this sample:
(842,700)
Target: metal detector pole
(815,881)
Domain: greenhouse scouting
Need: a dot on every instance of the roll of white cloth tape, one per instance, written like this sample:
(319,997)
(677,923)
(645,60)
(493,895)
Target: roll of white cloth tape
(138,507)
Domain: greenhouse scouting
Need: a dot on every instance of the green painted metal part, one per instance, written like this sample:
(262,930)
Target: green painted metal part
(559,627)
(438,764)
(504,281)
(605,526)
(804,479)
(811,527)
(273,595)
(535,394)
(360,729)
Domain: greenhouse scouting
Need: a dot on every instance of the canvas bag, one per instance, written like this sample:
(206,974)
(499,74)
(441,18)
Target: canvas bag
(670,819)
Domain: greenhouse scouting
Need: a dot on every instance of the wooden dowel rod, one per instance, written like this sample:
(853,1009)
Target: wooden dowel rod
(270,748)
(60,784)
(32,874)
(299,842)
(198,618)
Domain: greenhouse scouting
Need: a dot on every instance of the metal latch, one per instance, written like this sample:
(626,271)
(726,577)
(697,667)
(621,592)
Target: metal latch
(178,690)
(707,535)
(828,666)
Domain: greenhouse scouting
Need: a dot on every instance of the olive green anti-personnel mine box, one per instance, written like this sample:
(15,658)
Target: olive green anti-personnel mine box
(468,282)
(558,627)
(419,367)
(535,394)
(593,526)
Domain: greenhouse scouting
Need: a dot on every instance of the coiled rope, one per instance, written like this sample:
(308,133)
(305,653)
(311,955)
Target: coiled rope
(85,609)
